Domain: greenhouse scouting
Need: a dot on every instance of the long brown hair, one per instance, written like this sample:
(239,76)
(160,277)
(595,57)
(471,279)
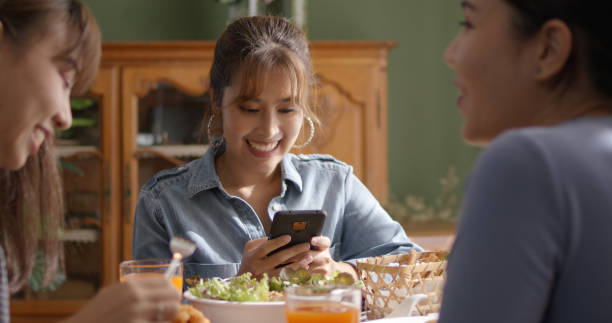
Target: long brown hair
(31,215)
(31,198)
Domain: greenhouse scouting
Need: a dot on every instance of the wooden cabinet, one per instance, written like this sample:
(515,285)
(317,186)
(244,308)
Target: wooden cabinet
(142,93)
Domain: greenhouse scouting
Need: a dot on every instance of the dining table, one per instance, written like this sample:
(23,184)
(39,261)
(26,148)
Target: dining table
(408,319)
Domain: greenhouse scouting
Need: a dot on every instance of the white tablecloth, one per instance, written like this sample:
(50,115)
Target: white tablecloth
(407,319)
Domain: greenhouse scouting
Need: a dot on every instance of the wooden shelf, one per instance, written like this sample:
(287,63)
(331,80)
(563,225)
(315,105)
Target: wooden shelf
(68,151)
(143,151)
(81,235)
(172,150)
(28,311)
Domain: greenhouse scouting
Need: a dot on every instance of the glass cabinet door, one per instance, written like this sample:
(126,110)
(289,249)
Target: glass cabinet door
(170,131)
(163,108)
(83,191)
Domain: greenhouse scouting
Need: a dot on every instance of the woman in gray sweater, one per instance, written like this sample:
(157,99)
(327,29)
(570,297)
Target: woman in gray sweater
(534,241)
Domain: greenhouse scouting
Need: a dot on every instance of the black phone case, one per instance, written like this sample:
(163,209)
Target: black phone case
(301,225)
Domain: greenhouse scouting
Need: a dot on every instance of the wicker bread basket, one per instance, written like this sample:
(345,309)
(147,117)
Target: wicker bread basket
(390,279)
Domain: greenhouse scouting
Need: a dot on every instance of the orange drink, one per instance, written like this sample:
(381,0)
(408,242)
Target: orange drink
(339,304)
(324,313)
(177,281)
(150,267)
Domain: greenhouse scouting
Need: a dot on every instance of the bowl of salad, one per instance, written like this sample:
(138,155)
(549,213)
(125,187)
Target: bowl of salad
(247,299)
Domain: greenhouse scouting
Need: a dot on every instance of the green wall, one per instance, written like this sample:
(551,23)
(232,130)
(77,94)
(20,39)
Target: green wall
(424,123)
(130,20)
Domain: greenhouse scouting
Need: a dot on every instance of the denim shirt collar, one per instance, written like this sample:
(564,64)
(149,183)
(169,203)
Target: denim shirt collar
(205,177)
(289,173)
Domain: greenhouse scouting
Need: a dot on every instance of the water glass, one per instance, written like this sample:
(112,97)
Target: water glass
(150,267)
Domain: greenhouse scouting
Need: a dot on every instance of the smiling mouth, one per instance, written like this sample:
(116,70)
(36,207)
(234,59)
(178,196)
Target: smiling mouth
(267,147)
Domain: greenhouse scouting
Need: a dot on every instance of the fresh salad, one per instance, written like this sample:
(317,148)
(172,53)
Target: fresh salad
(244,288)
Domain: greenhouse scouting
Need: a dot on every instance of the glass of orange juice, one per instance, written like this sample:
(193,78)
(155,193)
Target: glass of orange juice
(150,267)
(324,304)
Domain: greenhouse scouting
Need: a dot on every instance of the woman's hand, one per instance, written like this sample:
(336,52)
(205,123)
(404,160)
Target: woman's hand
(322,261)
(255,257)
(138,300)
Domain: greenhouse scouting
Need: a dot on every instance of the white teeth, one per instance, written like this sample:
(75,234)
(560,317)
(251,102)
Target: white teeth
(263,147)
(39,136)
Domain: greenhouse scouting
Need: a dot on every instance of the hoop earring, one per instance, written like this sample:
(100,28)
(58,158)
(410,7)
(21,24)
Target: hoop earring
(215,142)
(312,131)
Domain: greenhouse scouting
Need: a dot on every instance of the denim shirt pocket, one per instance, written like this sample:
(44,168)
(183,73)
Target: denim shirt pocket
(191,269)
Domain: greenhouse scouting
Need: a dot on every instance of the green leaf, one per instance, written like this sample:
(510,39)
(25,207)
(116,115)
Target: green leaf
(68,133)
(80,104)
(71,167)
(38,273)
(83,122)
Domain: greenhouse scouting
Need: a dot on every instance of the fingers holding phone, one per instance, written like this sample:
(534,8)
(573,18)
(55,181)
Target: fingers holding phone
(320,243)
(301,260)
(256,256)
(322,261)
(288,244)
(288,255)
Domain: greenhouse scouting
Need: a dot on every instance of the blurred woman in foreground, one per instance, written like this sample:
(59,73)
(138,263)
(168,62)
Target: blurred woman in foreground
(48,50)
(535,83)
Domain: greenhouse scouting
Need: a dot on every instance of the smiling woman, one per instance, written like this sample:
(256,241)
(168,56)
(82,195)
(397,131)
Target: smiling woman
(39,70)
(50,49)
(46,49)
(226,200)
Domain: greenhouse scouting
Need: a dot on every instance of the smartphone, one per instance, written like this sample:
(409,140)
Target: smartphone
(301,225)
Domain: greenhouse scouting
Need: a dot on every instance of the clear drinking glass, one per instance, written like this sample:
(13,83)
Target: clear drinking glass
(322,304)
(150,267)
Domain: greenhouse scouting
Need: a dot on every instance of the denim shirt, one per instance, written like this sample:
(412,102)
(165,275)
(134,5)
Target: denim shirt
(190,201)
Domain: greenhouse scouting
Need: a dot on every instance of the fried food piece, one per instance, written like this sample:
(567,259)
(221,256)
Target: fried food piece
(188,314)
(193,280)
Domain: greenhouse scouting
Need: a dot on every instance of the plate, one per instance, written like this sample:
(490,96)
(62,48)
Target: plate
(220,311)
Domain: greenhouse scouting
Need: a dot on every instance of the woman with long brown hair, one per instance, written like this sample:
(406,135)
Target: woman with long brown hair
(50,49)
